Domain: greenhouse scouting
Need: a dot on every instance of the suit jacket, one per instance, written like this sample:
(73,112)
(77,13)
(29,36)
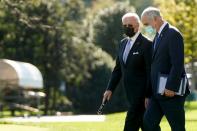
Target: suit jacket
(135,73)
(168,58)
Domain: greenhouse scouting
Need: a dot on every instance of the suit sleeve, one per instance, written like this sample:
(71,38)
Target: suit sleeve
(115,76)
(176,52)
(147,58)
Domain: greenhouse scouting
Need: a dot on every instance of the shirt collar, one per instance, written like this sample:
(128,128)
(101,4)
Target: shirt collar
(161,28)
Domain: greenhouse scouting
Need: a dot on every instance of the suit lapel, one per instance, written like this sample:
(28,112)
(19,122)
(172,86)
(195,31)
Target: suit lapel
(159,40)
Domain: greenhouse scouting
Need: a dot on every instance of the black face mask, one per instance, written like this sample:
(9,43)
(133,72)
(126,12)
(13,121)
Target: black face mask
(129,31)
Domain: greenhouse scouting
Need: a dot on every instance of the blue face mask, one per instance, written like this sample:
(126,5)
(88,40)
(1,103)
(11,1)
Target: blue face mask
(150,30)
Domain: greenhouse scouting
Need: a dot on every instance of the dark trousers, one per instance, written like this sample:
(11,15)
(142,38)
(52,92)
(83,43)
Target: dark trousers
(134,118)
(172,108)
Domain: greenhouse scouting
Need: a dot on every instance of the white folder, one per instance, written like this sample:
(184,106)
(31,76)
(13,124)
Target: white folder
(162,85)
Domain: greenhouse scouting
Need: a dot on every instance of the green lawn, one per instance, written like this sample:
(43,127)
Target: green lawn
(114,122)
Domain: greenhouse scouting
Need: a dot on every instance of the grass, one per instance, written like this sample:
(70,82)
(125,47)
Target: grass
(8,127)
(113,122)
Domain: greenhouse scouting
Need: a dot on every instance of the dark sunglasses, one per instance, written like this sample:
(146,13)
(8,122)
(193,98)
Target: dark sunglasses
(129,25)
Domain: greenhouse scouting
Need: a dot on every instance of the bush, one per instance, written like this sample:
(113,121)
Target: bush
(87,95)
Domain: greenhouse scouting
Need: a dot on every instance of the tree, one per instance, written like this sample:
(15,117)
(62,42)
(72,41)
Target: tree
(37,32)
(108,27)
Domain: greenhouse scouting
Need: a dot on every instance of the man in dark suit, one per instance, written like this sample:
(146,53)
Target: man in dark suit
(133,66)
(168,59)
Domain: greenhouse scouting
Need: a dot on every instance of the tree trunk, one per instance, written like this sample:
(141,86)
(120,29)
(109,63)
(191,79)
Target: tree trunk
(54,98)
(193,79)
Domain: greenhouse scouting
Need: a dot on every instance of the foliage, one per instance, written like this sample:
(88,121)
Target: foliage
(38,33)
(140,5)
(87,97)
(108,27)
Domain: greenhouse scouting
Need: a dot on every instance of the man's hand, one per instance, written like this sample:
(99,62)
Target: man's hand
(169,93)
(107,95)
(146,102)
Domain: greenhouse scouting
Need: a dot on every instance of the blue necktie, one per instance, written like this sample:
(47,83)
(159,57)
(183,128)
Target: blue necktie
(156,41)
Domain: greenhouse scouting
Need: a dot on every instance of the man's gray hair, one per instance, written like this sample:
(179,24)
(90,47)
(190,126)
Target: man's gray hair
(151,12)
(131,15)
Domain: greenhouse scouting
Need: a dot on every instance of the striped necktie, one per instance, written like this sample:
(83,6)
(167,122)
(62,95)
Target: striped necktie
(126,51)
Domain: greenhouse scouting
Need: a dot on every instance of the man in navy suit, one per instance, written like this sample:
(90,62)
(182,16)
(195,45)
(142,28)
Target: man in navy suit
(133,67)
(168,59)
